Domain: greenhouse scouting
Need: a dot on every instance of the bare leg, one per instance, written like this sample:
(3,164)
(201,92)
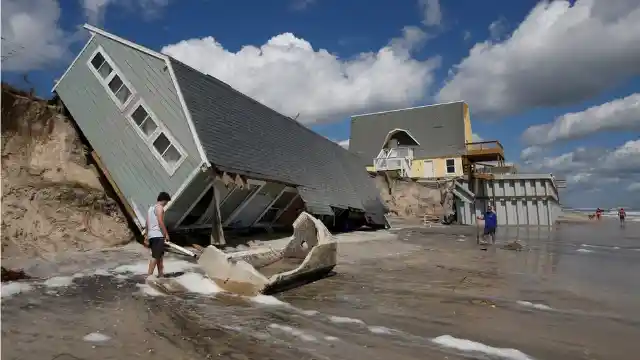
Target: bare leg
(152,267)
(160,264)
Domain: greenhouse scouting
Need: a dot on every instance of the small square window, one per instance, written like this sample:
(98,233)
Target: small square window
(149,126)
(97,61)
(451,166)
(123,94)
(172,155)
(162,143)
(139,115)
(101,65)
(119,89)
(144,121)
(115,84)
(105,70)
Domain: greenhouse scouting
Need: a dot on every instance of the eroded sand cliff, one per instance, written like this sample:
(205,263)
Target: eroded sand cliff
(406,198)
(52,197)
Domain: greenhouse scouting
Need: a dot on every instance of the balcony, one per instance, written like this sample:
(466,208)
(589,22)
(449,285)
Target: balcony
(485,151)
(397,159)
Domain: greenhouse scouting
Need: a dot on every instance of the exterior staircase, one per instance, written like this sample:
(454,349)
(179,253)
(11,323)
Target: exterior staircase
(394,159)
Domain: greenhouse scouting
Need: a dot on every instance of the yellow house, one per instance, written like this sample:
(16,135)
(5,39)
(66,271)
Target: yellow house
(423,142)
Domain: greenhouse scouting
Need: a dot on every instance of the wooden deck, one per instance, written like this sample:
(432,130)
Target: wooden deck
(485,151)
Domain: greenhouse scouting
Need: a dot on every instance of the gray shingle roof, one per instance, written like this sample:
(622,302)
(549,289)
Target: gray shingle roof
(244,136)
(438,128)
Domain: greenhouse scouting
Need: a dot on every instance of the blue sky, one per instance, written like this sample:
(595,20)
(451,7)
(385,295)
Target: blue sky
(517,63)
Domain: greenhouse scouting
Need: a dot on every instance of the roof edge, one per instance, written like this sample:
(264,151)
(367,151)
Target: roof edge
(123,41)
(94,30)
(297,123)
(409,108)
(187,112)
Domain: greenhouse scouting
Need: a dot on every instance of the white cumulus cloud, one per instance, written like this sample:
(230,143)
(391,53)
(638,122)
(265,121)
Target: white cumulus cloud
(301,4)
(619,114)
(498,28)
(594,165)
(95,10)
(560,54)
(431,12)
(476,138)
(31,35)
(289,75)
(530,152)
(613,173)
(344,143)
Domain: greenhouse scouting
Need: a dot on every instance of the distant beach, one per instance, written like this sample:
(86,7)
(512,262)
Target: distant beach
(582,214)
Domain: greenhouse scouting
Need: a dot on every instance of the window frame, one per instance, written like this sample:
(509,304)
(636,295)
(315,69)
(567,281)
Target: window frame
(115,71)
(446,166)
(149,140)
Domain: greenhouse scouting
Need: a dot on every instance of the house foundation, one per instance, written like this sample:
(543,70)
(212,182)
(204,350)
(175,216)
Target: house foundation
(518,199)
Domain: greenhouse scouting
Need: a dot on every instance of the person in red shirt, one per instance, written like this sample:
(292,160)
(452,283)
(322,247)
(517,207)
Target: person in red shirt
(598,213)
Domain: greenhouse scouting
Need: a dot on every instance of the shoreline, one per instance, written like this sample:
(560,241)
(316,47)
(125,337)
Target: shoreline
(37,267)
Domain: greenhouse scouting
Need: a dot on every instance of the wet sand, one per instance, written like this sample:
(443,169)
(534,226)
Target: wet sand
(573,293)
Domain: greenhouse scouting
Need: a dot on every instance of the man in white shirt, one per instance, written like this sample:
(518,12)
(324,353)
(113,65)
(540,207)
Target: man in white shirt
(157,233)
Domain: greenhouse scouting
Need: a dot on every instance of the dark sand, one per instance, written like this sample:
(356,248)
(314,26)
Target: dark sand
(388,301)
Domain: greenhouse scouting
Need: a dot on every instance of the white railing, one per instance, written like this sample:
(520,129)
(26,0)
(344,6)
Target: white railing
(394,159)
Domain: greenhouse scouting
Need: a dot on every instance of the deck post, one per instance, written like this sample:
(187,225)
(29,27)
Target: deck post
(217,234)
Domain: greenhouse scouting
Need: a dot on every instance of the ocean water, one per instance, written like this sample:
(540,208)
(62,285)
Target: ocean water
(632,215)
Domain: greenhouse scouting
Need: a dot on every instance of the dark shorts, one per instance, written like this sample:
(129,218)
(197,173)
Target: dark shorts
(157,247)
(490,231)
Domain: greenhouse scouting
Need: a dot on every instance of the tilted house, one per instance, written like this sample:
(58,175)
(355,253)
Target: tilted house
(155,124)
(425,142)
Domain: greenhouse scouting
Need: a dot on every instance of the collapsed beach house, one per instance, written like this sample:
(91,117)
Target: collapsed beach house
(434,144)
(155,124)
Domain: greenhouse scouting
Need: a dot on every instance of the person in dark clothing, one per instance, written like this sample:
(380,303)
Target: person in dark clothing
(622,215)
(490,224)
